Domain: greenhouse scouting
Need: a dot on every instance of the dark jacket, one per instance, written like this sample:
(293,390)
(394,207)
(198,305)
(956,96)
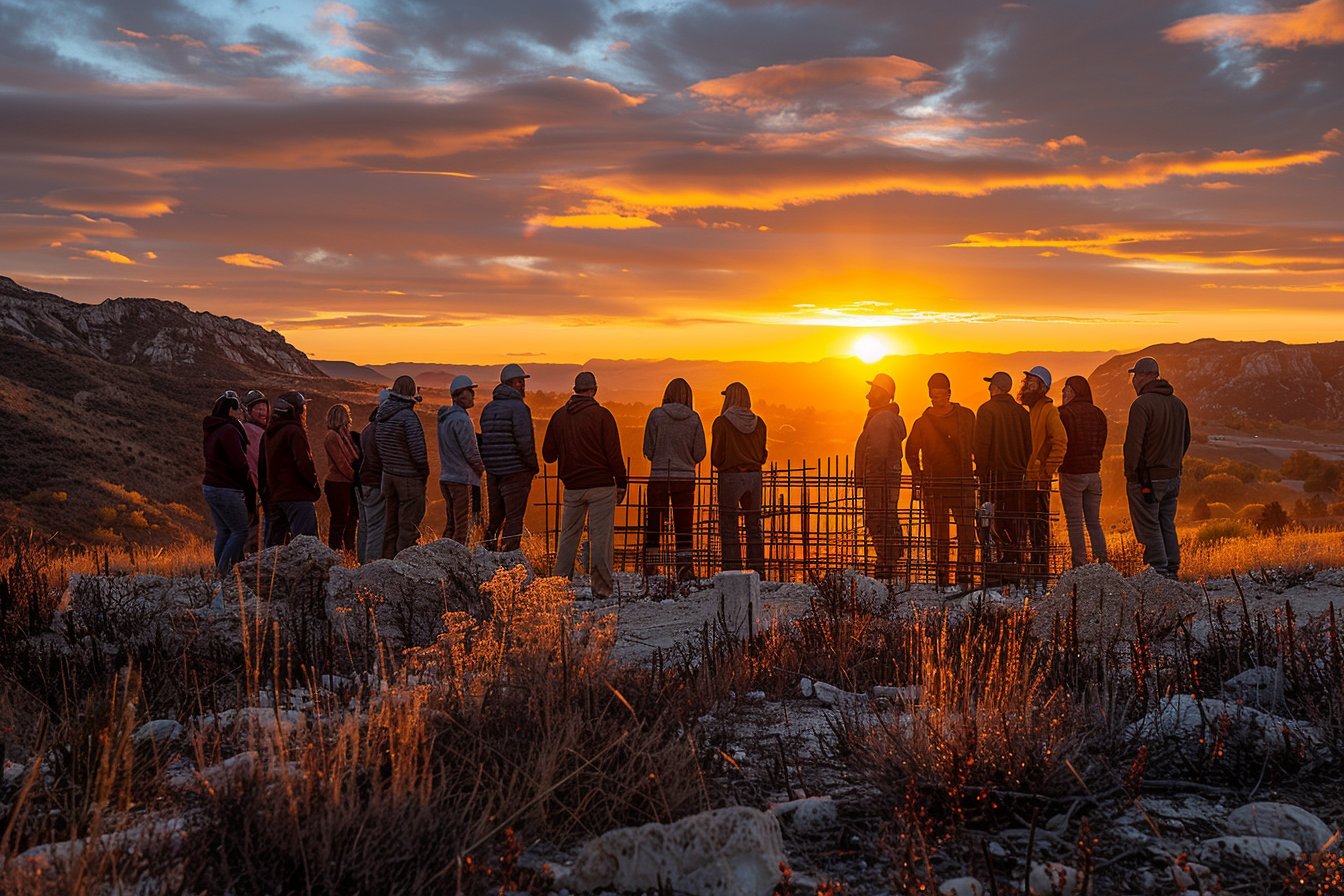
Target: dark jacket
(371,463)
(940,447)
(1085,424)
(738,442)
(459,453)
(1158,434)
(583,438)
(401,438)
(508,443)
(1002,437)
(674,441)
(877,453)
(285,465)
(225,447)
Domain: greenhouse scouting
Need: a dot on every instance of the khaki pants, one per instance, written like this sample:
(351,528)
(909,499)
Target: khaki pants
(404,508)
(457,501)
(598,506)
(883,522)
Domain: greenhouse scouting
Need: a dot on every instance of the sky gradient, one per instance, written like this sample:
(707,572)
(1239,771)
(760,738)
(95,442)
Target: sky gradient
(399,180)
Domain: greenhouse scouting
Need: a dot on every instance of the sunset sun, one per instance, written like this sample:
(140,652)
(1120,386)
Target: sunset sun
(870,348)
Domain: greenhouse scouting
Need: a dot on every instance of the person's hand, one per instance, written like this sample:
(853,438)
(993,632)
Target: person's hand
(620,496)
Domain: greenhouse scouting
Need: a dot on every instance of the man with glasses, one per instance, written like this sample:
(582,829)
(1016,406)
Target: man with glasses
(1156,440)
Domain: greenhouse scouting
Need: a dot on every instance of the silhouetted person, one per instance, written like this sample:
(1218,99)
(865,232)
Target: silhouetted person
(940,454)
(1080,472)
(1049,441)
(342,459)
(583,440)
(1156,440)
(401,447)
(460,465)
(256,414)
(509,451)
(674,443)
(227,483)
(877,470)
(369,537)
(288,477)
(738,452)
(1002,449)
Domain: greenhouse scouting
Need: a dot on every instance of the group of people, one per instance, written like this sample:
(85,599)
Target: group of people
(988,473)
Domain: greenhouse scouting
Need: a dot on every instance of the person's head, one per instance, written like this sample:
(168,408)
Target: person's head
(678,391)
(1076,387)
(1144,371)
(999,384)
(585,384)
(226,405)
(405,387)
(881,390)
(736,396)
(291,405)
(256,409)
(338,417)
(463,391)
(514,376)
(1035,383)
(940,392)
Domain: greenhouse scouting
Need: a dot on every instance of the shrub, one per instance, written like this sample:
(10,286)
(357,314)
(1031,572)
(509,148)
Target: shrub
(1273,519)
(1221,530)
(1222,486)
(1201,511)
(1219,510)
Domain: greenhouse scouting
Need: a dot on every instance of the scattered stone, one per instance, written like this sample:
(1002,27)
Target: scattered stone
(1191,875)
(834,696)
(739,602)
(809,816)
(235,768)
(1280,820)
(1108,604)
(1190,720)
(297,571)
(903,694)
(726,852)
(1260,850)
(961,886)
(158,732)
(807,687)
(1262,686)
(1054,879)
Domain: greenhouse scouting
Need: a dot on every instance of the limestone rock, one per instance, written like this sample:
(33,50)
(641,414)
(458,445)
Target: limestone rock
(158,732)
(1108,602)
(1260,850)
(1054,879)
(726,852)
(809,816)
(296,572)
(739,601)
(1262,686)
(1280,820)
(1188,719)
(961,886)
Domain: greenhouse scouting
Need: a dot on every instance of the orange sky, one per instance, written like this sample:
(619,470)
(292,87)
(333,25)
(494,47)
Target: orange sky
(387,181)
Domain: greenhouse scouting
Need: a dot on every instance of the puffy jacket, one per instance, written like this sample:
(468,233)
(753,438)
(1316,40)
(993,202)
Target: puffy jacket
(1086,426)
(1002,437)
(582,436)
(940,446)
(508,442)
(674,441)
(371,462)
(225,448)
(1049,441)
(877,453)
(285,466)
(401,438)
(1158,434)
(459,455)
(738,442)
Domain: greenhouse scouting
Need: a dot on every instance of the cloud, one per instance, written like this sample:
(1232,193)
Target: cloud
(819,83)
(121,204)
(108,255)
(1319,23)
(28,231)
(138,35)
(592,221)
(343,65)
(250,260)
(1073,141)
(241,49)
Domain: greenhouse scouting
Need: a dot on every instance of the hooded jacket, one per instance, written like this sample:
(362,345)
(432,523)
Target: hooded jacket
(877,453)
(508,442)
(738,441)
(674,441)
(582,437)
(285,466)
(401,438)
(940,446)
(1085,424)
(1049,441)
(225,448)
(459,456)
(371,463)
(1002,437)
(1158,434)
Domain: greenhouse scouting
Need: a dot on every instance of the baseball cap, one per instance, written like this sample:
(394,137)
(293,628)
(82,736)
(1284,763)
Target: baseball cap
(460,382)
(513,372)
(939,381)
(1040,373)
(1144,365)
(585,381)
(1000,380)
(885,383)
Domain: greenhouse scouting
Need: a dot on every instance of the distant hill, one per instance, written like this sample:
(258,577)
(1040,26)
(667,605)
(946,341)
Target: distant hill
(1267,381)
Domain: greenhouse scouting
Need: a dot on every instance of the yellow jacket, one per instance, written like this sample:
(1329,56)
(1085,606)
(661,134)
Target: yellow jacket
(1049,441)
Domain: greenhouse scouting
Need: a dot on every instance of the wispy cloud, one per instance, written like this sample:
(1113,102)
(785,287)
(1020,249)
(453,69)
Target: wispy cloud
(109,256)
(250,260)
(1319,23)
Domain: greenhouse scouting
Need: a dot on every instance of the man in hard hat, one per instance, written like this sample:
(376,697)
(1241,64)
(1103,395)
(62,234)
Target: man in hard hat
(877,470)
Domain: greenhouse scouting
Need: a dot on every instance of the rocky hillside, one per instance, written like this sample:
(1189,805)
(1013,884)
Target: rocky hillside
(166,335)
(1269,381)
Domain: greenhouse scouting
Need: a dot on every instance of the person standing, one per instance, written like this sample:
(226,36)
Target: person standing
(738,451)
(674,443)
(285,469)
(401,447)
(227,484)
(509,452)
(1049,442)
(1080,471)
(342,459)
(939,453)
(583,440)
(369,536)
(256,414)
(1002,449)
(877,471)
(460,465)
(1156,440)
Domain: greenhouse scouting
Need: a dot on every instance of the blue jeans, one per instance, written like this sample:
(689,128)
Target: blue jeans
(287,519)
(228,510)
(1155,524)
(740,505)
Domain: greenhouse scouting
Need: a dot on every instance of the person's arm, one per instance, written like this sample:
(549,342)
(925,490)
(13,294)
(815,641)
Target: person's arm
(336,456)
(650,435)
(716,449)
(698,443)
(550,447)
(913,446)
(765,450)
(415,445)
(303,462)
(526,439)
(611,441)
(984,423)
(1059,443)
(466,441)
(1186,414)
(263,488)
(235,450)
(1138,422)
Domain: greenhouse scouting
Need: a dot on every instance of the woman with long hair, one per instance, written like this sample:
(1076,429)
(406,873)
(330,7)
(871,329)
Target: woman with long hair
(342,458)
(227,483)
(674,443)
(738,452)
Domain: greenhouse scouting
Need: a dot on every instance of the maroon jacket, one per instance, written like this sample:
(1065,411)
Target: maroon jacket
(582,436)
(285,467)
(225,449)
(1085,424)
